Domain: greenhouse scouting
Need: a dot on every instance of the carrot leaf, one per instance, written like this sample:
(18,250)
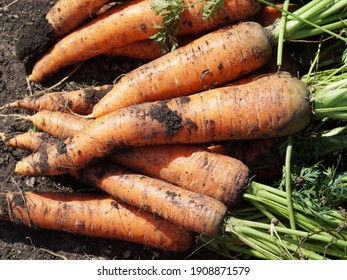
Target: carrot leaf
(171,11)
(211,7)
(166,35)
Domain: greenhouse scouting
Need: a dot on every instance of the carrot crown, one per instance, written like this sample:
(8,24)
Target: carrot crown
(314,18)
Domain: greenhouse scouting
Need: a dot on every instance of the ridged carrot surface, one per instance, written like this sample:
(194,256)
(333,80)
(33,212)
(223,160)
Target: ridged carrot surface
(209,61)
(272,106)
(92,215)
(133,21)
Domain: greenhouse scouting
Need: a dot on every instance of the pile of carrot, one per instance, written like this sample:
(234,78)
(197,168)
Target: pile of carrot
(173,144)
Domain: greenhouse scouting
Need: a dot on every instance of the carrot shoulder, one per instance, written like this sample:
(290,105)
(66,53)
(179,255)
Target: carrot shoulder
(272,106)
(92,215)
(133,21)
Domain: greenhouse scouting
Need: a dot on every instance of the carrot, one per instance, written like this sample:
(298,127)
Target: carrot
(92,215)
(268,15)
(78,101)
(190,167)
(146,49)
(190,210)
(273,106)
(31,140)
(57,124)
(64,16)
(187,166)
(208,61)
(133,21)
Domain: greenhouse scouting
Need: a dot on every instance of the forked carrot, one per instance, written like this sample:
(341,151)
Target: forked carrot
(92,215)
(272,106)
(133,21)
(190,210)
(208,61)
(79,101)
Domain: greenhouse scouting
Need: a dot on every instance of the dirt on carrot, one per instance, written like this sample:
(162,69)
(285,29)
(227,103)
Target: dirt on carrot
(208,61)
(189,210)
(230,113)
(22,243)
(79,101)
(92,215)
(133,21)
(53,24)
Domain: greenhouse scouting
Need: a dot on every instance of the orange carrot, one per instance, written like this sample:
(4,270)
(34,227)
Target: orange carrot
(208,61)
(268,14)
(273,106)
(31,140)
(190,167)
(78,101)
(192,211)
(146,49)
(58,124)
(92,215)
(64,16)
(133,21)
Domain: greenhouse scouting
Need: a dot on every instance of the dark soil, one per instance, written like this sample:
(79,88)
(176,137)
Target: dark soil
(17,242)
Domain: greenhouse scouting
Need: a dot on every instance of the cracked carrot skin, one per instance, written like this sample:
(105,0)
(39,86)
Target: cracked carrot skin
(92,215)
(189,210)
(209,61)
(124,24)
(272,106)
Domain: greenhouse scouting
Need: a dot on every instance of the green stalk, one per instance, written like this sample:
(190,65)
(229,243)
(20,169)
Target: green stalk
(245,240)
(261,190)
(278,207)
(225,244)
(282,29)
(303,33)
(288,183)
(234,222)
(281,246)
(302,20)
